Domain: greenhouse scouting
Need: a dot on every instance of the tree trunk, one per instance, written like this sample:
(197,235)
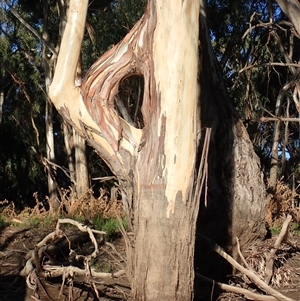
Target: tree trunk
(159,167)
(292,9)
(50,154)
(236,197)
(68,139)
(82,176)
(165,211)
(50,151)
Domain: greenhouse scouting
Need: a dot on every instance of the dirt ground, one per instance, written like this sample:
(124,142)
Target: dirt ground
(16,242)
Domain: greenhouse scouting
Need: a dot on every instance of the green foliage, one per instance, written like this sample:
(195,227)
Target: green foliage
(295,228)
(251,64)
(245,59)
(22,130)
(110,226)
(3,223)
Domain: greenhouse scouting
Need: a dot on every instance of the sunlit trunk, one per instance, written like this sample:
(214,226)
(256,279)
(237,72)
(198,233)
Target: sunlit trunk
(159,167)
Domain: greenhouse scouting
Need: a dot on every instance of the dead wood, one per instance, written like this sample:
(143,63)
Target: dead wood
(270,257)
(54,256)
(250,274)
(237,290)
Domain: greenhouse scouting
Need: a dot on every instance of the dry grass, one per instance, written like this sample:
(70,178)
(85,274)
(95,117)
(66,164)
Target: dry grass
(86,207)
(282,203)
(281,273)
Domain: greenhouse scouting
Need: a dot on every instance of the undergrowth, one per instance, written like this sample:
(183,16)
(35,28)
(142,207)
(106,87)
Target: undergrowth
(282,202)
(101,213)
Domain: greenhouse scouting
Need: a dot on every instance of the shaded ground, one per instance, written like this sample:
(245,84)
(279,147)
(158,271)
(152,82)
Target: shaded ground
(15,243)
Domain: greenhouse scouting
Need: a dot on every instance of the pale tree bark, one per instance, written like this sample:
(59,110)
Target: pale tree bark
(50,150)
(50,155)
(292,9)
(81,167)
(157,166)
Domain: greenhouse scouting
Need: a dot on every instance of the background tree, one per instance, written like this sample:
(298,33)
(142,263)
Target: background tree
(261,76)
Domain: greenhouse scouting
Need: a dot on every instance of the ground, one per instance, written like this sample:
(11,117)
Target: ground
(16,242)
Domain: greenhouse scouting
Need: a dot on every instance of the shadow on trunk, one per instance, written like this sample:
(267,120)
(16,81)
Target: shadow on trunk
(235,202)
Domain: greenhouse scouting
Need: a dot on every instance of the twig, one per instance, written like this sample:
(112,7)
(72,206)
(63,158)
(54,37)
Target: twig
(30,28)
(203,168)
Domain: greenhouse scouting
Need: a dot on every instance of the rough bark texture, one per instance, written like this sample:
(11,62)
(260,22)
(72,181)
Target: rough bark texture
(236,191)
(82,176)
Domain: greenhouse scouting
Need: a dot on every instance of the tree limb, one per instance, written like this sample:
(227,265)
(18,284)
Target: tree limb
(292,9)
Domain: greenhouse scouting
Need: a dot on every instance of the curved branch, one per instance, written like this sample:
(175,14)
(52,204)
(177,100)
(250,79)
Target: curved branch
(292,9)
(237,290)
(100,86)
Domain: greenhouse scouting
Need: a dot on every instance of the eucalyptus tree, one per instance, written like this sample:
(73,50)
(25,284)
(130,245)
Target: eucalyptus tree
(188,139)
(21,128)
(258,49)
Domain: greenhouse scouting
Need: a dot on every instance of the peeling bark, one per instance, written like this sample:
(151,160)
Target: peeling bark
(157,165)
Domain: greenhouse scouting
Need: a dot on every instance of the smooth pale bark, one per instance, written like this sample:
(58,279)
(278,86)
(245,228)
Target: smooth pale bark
(292,9)
(50,150)
(50,154)
(165,212)
(157,166)
(159,159)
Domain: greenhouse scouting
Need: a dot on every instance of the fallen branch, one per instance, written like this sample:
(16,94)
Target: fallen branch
(251,274)
(55,271)
(57,242)
(271,256)
(237,290)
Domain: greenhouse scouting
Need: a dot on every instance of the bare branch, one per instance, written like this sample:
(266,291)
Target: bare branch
(271,119)
(268,64)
